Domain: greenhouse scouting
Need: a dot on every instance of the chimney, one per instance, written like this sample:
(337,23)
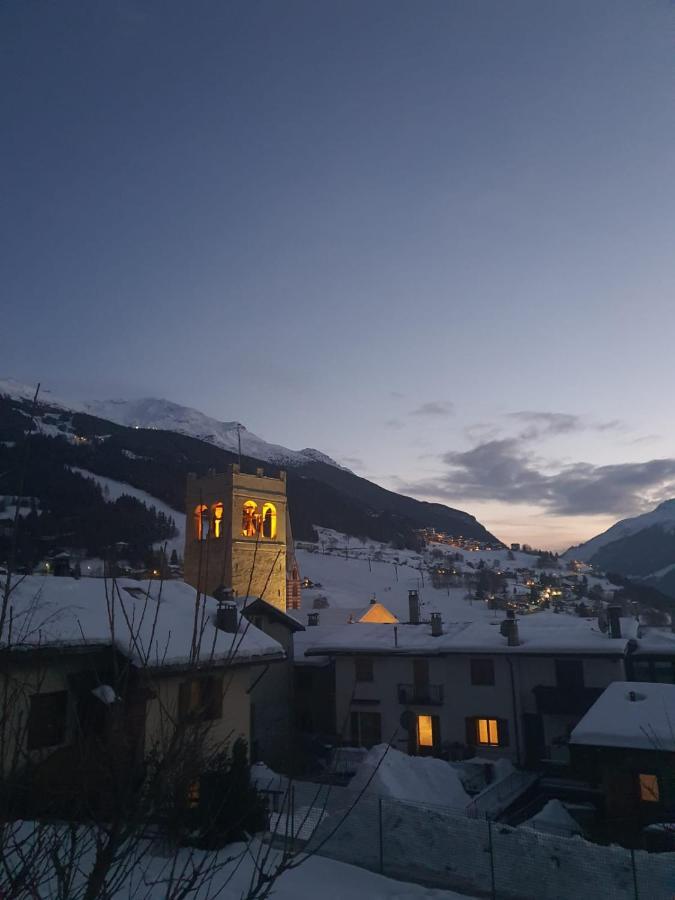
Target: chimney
(312,619)
(614,617)
(227,618)
(414,607)
(509,628)
(259,473)
(436,624)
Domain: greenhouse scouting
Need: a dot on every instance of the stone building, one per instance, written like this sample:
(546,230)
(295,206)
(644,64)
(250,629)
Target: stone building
(235,535)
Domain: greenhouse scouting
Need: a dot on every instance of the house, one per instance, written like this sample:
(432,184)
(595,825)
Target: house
(113,671)
(505,688)
(625,744)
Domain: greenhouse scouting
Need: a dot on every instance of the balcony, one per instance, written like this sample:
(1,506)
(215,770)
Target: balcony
(420,694)
(571,701)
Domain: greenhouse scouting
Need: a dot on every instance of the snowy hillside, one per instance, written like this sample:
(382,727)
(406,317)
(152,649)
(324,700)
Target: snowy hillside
(167,416)
(663,517)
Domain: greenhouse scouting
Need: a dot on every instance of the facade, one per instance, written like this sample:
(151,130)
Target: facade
(235,534)
(469,688)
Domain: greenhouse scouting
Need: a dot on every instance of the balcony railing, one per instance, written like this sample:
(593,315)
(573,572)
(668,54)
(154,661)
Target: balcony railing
(422,694)
(565,701)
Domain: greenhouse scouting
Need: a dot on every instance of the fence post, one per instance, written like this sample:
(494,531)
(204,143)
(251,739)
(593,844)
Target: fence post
(379,816)
(492,860)
(635,881)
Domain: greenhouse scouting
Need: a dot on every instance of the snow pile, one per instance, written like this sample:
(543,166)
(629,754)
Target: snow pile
(554,819)
(418,779)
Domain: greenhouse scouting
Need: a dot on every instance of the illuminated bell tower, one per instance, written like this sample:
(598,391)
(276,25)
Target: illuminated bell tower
(235,534)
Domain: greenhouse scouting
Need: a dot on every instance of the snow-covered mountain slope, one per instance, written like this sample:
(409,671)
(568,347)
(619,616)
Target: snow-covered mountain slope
(167,416)
(663,517)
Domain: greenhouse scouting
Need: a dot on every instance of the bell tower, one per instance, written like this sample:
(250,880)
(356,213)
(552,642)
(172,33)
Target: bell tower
(235,534)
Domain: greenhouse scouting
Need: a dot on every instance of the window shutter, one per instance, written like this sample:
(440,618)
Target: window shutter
(215,698)
(471,731)
(184,695)
(503,732)
(436,732)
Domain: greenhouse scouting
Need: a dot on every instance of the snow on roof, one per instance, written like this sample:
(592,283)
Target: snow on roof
(555,819)
(67,612)
(630,714)
(539,633)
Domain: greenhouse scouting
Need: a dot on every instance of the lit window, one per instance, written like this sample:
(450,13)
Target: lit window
(649,788)
(488,732)
(425,731)
(269,521)
(217,520)
(250,519)
(202,522)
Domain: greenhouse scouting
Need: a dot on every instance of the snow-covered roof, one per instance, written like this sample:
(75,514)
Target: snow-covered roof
(145,625)
(540,633)
(630,714)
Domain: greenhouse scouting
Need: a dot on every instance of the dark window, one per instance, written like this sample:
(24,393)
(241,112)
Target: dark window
(569,673)
(47,720)
(200,699)
(482,672)
(641,670)
(420,672)
(663,671)
(366,729)
(363,668)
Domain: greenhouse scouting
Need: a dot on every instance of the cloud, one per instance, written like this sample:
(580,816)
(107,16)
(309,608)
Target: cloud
(354,462)
(393,423)
(433,408)
(542,424)
(504,470)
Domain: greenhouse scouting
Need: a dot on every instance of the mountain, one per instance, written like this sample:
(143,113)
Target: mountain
(640,547)
(156,460)
(164,415)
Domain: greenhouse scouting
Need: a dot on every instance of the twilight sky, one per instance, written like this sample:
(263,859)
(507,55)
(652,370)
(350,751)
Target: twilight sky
(433,239)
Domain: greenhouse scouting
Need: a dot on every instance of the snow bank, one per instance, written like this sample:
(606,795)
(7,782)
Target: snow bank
(419,779)
(554,819)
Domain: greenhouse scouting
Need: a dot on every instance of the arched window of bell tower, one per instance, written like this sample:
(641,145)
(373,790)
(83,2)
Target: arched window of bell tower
(217,510)
(250,519)
(269,521)
(202,522)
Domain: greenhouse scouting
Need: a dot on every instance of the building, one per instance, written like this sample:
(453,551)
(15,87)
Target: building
(293,580)
(99,677)
(235,534)
(501,689)
(625,745)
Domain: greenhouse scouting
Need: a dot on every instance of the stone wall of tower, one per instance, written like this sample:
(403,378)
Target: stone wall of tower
(251,559)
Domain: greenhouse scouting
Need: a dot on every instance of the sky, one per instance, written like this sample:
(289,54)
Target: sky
(432,239)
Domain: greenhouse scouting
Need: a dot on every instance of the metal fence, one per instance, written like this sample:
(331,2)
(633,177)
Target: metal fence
(445,848)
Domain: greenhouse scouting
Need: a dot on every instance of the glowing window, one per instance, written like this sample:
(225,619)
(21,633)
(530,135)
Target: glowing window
(425,731)
(269,520)
(202,522)
(250,519)
(488,732)
(649,788)
(217,520)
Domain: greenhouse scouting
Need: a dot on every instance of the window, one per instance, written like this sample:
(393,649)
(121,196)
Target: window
(425,731)
(482,672)
(363,668)
(269,521)
(202,522)
(487,732)
(250,520)
(663,671)
(200,699)
(421,673)
(47,720)
(217,520)
(569,673)
(641,670)
(649,788)
(193,794)
(366,729)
